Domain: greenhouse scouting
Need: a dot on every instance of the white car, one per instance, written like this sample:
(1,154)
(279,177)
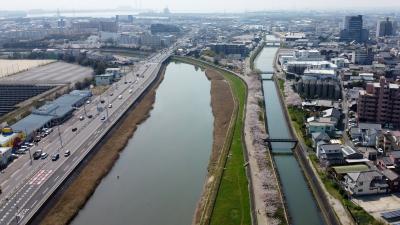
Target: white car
(109,106)
(120,97)
(130,90)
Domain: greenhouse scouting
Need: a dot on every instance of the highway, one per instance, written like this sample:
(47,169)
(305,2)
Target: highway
(26,187)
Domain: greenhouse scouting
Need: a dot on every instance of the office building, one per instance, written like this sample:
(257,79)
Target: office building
(353,30)
(362,56)
(108,26)
(385,28)
(380,103)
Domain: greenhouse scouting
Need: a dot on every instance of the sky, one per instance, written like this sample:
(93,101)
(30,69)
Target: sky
(198,5)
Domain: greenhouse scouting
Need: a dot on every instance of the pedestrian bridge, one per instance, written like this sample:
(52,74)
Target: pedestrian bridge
(291,141)
(288,140)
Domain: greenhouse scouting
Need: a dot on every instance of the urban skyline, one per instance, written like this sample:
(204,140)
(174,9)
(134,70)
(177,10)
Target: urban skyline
(201,6)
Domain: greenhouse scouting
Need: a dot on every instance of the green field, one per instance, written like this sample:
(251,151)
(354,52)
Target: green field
(232,204)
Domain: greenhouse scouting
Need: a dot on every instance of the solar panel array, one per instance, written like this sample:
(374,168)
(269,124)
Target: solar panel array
(391,215)
(11,95)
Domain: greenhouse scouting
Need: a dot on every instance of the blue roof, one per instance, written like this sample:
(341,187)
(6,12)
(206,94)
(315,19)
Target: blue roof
(61,106)
(31,123)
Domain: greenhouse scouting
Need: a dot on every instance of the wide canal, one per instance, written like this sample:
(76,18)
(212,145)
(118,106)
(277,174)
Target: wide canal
(159,176)
(302,206)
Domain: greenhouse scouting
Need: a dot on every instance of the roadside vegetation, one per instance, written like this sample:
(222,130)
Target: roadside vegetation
(298,116)
(232,201)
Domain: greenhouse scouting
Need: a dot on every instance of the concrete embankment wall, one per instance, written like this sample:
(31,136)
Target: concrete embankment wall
(300,153)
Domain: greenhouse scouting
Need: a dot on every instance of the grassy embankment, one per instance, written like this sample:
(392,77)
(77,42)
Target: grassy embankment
(232,202)
(298,116)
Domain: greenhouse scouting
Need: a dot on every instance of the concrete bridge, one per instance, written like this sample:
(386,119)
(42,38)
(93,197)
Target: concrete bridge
(269,142)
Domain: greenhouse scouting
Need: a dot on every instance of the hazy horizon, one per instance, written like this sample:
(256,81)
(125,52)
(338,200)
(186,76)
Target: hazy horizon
(201,6)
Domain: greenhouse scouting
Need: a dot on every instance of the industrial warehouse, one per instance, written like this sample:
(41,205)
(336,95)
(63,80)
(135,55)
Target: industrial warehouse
(51,113)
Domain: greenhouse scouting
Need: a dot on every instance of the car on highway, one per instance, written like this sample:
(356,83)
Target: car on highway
(67,153)
(37,154)
(74,129)
(120,97)
(109,105)
(55,157)
(89,116)
(130,90)
(44,155)
(103,118)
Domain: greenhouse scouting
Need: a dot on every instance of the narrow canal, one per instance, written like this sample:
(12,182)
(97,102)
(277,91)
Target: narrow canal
(302,206)
(162,169)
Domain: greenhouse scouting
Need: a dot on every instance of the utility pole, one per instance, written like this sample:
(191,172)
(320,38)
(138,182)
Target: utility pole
(59,133)
(29,149)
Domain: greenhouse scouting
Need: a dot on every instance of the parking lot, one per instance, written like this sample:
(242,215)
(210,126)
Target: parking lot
(375,205)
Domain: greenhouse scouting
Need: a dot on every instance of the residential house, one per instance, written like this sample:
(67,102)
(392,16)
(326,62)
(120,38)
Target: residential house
(365,183)
(319,137)
(330,154)
(366,133)
(392,179)
(351,155)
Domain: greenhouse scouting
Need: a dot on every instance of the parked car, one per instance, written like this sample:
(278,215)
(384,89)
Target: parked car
(103,118)
(89,116)
(109,106)
(74,129)
(81,118)
(120,97)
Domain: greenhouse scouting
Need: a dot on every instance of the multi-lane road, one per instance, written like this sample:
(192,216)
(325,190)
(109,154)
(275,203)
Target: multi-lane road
(27,184)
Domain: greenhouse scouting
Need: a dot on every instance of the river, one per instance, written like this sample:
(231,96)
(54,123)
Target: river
(301,204)
(162,169)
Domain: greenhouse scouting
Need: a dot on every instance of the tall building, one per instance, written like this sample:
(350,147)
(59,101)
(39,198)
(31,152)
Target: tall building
(380,103)
(362,56)
(385,28)
(353,30)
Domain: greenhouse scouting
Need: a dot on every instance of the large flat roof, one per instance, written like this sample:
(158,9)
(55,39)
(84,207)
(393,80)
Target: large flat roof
(31,123)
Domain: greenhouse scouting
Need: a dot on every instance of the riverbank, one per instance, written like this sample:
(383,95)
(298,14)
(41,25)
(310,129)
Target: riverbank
(268,196)
(229,204)
(83,186)
(300,152)
(223,107)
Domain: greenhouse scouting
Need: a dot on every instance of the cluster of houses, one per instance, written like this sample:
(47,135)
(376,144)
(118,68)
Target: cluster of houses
(365,163)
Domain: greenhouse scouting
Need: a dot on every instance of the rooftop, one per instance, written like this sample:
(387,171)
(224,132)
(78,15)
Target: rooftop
(350,168)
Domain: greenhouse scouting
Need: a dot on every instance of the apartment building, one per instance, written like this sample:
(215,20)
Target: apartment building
(380,103)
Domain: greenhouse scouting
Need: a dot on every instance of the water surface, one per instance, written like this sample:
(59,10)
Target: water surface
(162,169)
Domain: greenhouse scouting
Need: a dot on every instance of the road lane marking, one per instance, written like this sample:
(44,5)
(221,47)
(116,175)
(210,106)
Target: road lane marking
(45,190)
